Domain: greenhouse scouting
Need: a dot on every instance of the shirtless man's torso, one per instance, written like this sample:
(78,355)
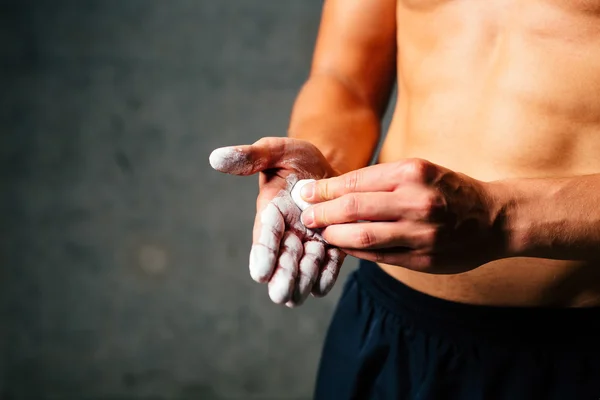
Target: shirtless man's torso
(496,90)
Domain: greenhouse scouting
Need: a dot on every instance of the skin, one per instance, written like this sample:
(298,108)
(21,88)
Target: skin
(292,260)
(487,186)
(420,216)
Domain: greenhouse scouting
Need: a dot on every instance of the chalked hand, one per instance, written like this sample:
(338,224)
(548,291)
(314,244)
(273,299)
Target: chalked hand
(294,261)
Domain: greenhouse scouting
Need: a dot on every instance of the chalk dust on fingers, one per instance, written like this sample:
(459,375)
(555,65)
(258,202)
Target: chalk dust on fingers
(308,271)
(283,280)
(328,276)
(295,194)
(231,160)
(273,220)
(265,251)
(294,260)
(291,213)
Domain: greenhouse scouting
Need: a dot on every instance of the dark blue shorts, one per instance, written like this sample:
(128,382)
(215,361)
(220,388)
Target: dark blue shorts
(387,341)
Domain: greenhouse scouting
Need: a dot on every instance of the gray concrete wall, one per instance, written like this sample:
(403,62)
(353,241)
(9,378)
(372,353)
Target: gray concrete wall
(123,269)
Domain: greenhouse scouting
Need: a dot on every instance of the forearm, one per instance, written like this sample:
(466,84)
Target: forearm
(342,126)
(551,218)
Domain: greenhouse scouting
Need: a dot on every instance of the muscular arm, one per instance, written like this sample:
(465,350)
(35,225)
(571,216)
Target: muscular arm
(340,106)
(552,218)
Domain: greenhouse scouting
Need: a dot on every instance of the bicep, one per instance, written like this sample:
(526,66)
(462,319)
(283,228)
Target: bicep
(356,44)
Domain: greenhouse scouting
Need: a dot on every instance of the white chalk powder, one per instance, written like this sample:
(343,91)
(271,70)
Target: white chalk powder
(329,273)
(303,205)
(281,285)
(264,253)
(308,271)
(294,260)
(230,160)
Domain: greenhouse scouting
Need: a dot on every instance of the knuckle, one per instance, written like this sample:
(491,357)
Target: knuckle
(349,205)
(364,237)
(351,181)
(323,189)
(321,215)
(428,237)
(265,145)
(427,206)
(416,169)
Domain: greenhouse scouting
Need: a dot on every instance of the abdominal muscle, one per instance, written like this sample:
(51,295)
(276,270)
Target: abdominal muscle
(496,101)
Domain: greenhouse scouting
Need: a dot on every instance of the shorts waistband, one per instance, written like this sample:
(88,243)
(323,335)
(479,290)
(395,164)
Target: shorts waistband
(531,325)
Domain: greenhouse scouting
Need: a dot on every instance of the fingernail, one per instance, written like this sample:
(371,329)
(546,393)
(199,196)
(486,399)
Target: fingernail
(307,217)
(307,191)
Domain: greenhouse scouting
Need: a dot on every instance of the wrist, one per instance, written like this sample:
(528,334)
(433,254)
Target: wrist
(345,147)
(507,202)
(340,159)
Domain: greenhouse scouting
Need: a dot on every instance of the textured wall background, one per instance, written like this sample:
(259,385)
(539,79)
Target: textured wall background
(123,269)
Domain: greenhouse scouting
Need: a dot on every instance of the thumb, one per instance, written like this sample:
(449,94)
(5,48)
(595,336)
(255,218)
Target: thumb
(250,159)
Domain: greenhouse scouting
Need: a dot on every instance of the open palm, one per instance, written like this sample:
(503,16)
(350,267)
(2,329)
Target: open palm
(292,259)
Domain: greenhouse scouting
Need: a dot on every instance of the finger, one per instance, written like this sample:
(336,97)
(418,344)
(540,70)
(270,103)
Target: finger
(410,202)
(268,232)
(308,271)
(290,212)
(250,159)
(328,276)
(374,178)
(373,206)
(283,280)
(380,235)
